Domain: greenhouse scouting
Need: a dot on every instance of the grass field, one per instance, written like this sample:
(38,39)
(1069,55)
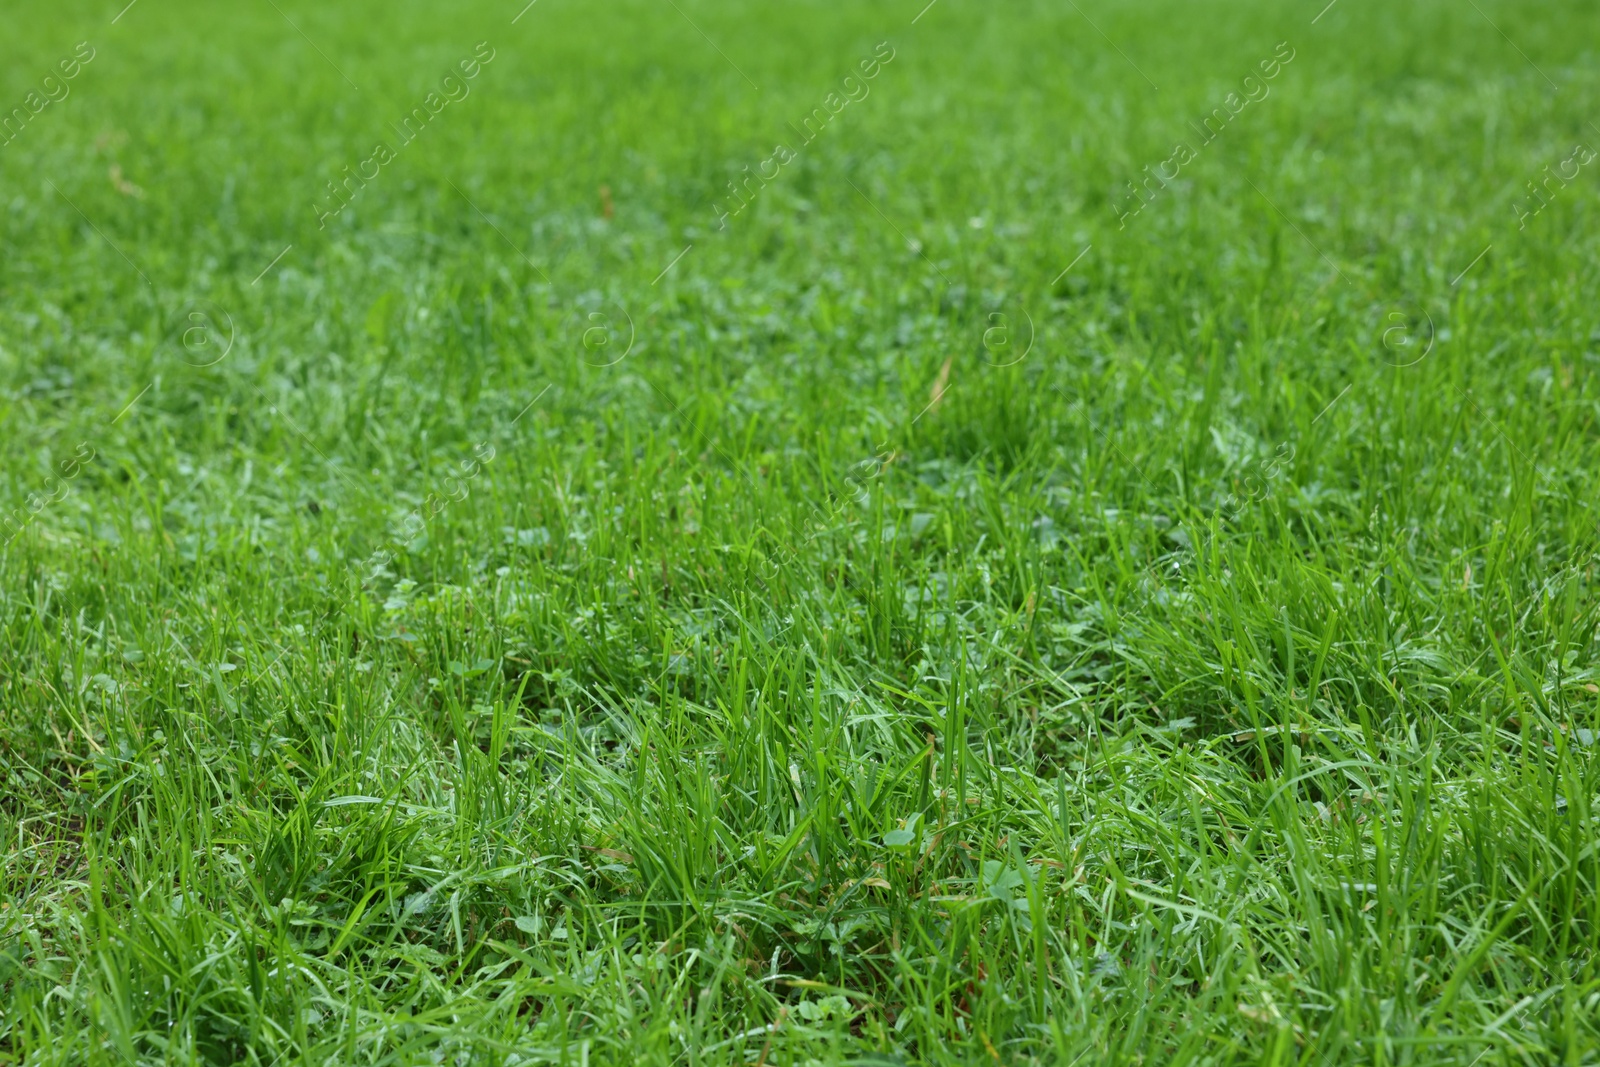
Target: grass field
(676,531)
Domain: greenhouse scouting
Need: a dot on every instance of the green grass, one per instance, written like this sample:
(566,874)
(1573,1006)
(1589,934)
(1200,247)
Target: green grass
(1196,665)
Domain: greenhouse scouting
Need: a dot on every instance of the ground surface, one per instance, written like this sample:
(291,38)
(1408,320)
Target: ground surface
(538,606)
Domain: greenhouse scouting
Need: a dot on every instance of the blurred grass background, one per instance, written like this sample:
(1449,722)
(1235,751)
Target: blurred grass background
(1213,684)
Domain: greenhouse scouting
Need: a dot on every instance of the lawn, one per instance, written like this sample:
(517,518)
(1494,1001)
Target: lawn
(678,531)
